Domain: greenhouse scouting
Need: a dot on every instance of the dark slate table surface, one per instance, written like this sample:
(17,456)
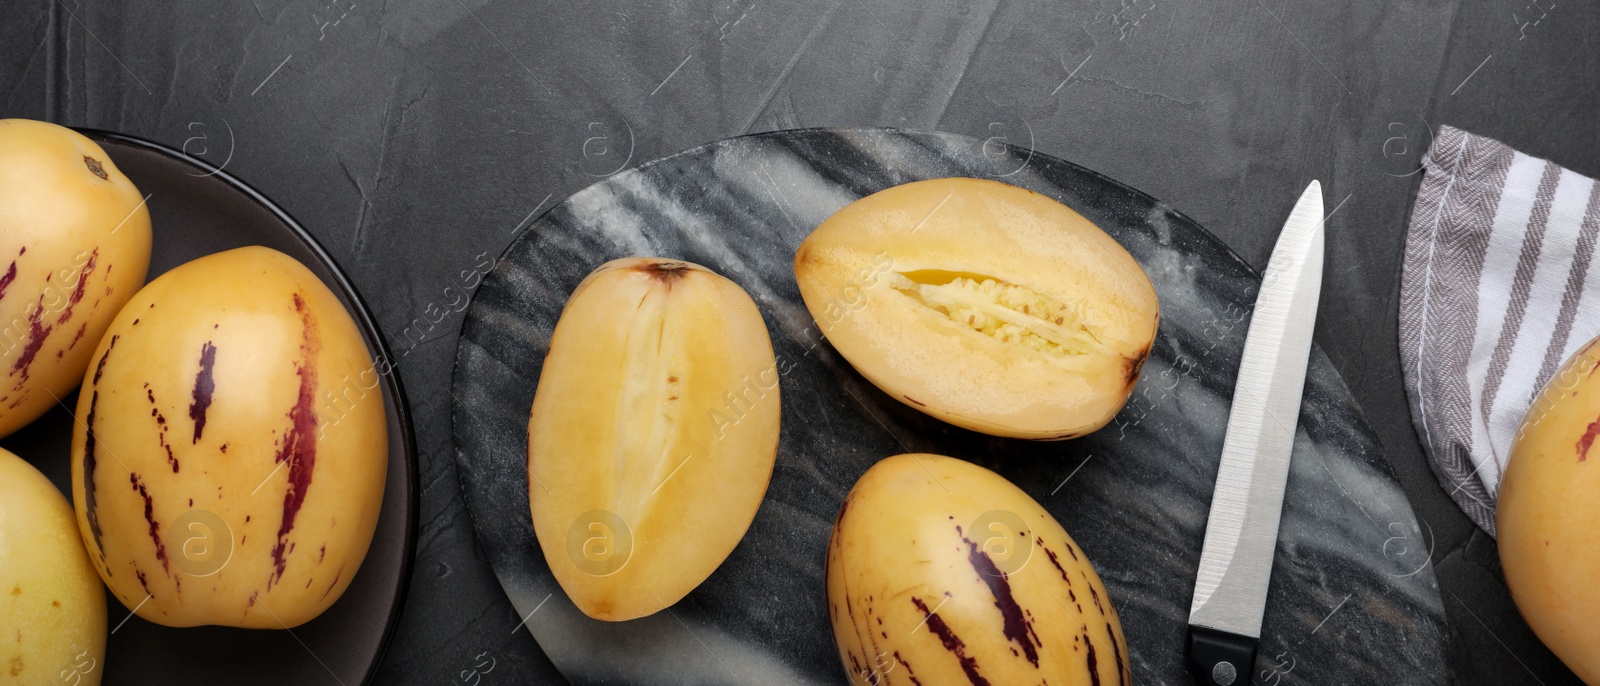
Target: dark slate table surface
(412,137)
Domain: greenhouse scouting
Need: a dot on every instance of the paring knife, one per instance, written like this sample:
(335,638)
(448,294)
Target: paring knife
(1230,591)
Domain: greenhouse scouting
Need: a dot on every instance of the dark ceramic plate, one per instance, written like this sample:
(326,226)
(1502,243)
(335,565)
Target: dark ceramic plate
(1352,600)
(196,210)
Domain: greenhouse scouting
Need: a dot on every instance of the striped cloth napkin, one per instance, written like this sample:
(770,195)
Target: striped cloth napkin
(1495,293)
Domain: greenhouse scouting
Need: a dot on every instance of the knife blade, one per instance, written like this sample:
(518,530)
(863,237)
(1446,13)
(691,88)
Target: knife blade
(1230,592)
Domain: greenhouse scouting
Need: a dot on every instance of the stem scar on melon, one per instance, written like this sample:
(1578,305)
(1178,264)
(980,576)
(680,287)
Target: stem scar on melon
(95,167)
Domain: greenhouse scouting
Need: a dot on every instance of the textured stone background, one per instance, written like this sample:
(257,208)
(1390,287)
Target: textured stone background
(412,136)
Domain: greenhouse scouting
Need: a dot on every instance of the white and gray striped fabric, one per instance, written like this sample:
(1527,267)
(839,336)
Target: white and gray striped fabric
(1497,291)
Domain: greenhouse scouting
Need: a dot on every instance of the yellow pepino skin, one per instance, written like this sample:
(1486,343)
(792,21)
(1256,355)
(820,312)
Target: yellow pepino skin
(229,462)
(985,305)
(49,594)
(1547,512)
(942,572)
(74,246)
(652,435)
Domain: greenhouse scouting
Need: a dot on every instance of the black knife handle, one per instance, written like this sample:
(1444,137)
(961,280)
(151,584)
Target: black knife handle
(1219,658)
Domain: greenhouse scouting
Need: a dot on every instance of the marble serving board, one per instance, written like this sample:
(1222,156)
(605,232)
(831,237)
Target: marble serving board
(1353,597)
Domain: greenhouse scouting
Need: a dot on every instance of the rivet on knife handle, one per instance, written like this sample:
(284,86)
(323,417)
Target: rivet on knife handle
(1218,658)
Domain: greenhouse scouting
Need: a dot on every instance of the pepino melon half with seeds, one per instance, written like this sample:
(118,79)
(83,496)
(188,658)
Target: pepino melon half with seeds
(652,435)
(988,306)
